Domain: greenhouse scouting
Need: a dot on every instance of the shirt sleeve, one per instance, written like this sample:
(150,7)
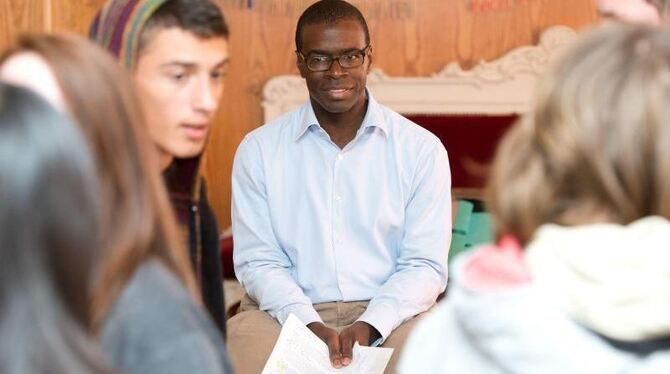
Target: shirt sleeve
(260,264)
(421,271)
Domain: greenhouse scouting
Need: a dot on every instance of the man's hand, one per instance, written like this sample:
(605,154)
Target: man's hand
(360,332)
(332,340)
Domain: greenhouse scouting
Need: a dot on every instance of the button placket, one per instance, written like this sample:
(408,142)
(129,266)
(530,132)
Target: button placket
(337,215)
(337,199)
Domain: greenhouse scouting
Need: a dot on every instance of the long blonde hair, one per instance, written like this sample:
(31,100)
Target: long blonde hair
(595,147)
(138,222)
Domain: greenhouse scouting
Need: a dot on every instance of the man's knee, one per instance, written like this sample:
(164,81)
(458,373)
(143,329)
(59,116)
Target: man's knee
(251,336)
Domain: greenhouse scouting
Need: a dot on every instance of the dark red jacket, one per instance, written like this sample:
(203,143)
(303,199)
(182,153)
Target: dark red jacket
(188,194)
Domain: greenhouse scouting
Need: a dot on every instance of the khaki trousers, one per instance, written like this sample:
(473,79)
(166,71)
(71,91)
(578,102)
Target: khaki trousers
(252,333)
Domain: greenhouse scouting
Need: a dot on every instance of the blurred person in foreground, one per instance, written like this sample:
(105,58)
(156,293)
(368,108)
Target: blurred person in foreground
(46,261)
(580,195)
(145,300)
(647,12)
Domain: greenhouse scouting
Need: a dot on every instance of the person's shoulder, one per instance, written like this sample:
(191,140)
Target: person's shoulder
(153,277)
(155,314)
(154,301)
(404,130)
(284,125)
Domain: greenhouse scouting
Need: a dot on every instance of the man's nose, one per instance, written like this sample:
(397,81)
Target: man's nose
(336,69)
(205,97)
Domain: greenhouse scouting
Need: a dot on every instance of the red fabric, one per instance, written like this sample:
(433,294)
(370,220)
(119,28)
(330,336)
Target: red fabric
(470,141)
(227,257)
(496,267)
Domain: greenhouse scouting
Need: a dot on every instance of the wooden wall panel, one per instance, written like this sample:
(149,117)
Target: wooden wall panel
(410,38)
(22,16)
(74,15)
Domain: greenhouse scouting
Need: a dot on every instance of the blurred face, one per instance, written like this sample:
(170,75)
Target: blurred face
(336,90)
(179,78)
(633,11)
(30,70)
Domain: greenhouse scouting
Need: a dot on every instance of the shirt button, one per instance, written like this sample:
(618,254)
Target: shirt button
(339,157)
(338,198)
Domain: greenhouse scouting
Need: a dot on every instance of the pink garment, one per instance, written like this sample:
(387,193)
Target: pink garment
(496,267)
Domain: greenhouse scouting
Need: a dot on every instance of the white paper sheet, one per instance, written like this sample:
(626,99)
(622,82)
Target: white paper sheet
(299,351)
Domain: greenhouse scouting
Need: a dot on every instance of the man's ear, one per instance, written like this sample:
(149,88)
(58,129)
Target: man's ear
(369,58)
(300,63)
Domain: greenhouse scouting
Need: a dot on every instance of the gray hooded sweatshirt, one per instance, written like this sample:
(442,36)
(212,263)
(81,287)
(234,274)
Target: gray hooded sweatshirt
(596,301)
(156,327)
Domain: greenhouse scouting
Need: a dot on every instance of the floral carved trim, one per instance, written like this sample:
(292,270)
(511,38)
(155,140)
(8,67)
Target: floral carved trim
(502,86)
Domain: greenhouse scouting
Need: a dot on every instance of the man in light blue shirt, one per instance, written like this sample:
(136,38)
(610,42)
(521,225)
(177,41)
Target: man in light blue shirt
(341,208)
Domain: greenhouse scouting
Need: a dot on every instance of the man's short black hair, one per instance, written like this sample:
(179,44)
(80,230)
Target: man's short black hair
(329,11)
(201,17)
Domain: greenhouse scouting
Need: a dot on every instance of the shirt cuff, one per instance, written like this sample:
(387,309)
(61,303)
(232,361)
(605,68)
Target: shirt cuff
(382,317)
(305,313)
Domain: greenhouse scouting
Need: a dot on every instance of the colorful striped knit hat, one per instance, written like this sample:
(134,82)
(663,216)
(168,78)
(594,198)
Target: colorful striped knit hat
(118,26)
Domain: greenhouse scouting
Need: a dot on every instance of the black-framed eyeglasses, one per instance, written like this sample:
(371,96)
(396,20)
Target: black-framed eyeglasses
(318,62)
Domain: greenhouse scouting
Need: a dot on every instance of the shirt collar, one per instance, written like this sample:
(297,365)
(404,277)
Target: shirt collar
(372,118)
